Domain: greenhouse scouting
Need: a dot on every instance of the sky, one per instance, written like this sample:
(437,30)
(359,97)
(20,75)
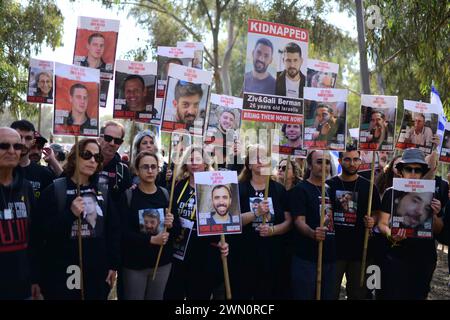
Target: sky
(131,35)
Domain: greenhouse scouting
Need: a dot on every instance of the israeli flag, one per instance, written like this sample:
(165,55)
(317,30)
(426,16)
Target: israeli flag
(435,99)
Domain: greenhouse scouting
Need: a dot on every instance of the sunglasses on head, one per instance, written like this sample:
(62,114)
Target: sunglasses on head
(87,155)
(108,138)
(412,170)
(16,146)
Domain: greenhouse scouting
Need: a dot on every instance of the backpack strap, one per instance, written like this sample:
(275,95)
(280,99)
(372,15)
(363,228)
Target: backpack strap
(129,195)
(166,193)
(60,186)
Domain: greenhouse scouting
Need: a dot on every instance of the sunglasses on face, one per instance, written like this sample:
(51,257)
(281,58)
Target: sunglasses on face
(108,138)
(87,155)
(282,168)
(412,170)
(16,146)
(146,167)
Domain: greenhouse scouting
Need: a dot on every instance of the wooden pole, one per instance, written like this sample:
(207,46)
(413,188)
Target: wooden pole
(225,271)
(266,189)
(322,216)
(132,134)
(39,117)
(165,228)
(80,243)
(369,213)
(288,164)
(169,160)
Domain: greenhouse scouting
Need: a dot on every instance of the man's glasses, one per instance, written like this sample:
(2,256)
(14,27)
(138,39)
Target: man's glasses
(108,138)
(27,138)
(355,160)
(16,146)
(87,155)
(412,170)
(146,167)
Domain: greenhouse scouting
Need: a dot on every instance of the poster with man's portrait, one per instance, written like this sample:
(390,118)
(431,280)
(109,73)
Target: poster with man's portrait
(40,81)
(325,119)
(151,221)
(445,150)
(186,100)
(217,203)
(134,90)
(224,121)
(321,74)
(76,108)
(198,47)
(96,44)
(166,57)
(92,220)
(412,207)
(276,59)
(419,126)
(377,123)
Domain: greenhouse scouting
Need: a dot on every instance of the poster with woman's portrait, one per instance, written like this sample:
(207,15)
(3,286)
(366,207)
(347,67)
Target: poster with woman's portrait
(40,81)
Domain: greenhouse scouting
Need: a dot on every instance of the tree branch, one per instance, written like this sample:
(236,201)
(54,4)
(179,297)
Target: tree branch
(207,13)
(222,8)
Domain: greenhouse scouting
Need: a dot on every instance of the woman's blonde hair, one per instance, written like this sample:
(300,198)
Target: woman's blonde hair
(185,159)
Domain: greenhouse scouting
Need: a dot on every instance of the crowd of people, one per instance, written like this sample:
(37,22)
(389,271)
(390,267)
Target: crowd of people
(91,207)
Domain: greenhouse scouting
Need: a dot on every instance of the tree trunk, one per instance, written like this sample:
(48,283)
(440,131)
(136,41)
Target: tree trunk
(226,80)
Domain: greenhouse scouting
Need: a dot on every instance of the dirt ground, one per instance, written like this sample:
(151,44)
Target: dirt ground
(440,289)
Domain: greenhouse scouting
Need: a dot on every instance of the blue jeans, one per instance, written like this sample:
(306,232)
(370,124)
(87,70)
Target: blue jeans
(304,274)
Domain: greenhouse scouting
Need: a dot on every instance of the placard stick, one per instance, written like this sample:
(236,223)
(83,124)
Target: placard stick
(288,164)
(369,213)
(322,216)
(225,271)
(132,134)
(39,117)
(168,210)
(266,189)
(169,164)
(80,243)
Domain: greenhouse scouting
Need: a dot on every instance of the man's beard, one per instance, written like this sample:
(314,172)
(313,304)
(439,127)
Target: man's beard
(292,72)
(257,67)
(348,172)
(217,211)
(36,157)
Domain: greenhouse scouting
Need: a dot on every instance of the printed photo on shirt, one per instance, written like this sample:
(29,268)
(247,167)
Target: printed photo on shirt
(345,208)
(328,215)
(254,203)
(40,81)
(412,207)
(419,125)
(92,222)
(151,221)
(276,59)
(180,243)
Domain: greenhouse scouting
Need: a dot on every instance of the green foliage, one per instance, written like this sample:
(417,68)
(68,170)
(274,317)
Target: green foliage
(24,29)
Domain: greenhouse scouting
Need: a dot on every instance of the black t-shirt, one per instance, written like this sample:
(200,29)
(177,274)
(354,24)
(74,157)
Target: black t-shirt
(350,201)
(257,249)
(409,249)
(39,177)
(137,252)
(116,175)
(304,200)
(184,206)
